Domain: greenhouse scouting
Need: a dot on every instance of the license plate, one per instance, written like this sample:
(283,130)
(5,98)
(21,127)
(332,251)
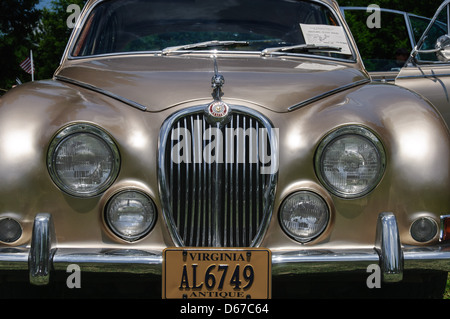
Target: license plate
(217,273)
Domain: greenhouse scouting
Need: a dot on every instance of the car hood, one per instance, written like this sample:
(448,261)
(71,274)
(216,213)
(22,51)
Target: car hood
(161,82)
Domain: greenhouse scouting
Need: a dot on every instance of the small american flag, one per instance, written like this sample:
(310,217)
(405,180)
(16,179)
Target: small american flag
(27,66)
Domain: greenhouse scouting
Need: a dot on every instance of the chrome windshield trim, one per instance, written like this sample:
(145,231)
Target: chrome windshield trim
(76,30)
(215,53)
(101,91)
(326,94)
(161,53)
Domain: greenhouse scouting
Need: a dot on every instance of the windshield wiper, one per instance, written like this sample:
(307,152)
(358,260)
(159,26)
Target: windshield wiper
(300,48)
(206,44)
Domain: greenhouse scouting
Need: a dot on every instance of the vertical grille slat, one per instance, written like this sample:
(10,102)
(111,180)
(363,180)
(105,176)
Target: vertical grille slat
(194,185)
(236,189)
(186,189)
(213,192)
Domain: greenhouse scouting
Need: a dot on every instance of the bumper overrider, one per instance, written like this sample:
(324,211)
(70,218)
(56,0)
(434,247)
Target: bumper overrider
(43,256)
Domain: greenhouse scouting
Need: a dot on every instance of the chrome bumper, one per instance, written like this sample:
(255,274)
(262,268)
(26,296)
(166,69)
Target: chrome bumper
(42,257)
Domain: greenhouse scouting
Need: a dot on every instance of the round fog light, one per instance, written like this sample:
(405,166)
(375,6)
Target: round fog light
(130,215)
(424,229)
(304,216)
(10,230)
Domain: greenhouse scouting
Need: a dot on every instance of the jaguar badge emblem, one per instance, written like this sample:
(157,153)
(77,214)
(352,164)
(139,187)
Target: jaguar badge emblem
(218,109)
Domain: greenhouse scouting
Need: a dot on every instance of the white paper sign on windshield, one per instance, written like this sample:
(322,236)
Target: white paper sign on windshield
(319,34)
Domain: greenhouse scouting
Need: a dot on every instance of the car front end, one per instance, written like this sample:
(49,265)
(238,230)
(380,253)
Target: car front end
(216,160)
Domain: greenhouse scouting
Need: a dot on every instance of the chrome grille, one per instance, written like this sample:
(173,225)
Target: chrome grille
(213,191)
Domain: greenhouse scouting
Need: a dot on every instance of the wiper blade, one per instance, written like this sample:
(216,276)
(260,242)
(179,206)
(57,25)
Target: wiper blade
(300,48)
(205,44)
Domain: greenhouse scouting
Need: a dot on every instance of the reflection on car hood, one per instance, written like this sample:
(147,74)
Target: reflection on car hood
(161,82)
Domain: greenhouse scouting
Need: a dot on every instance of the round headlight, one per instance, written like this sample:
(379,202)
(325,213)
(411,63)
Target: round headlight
(304,216)
(130,214)
(350,161)
(424,229)
(83,160)
(10,230)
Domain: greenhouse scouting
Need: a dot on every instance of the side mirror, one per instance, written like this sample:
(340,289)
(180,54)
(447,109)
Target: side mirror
(443,48)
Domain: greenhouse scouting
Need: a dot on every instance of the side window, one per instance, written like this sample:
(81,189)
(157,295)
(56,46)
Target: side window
(418,25)
(439,28)
(383,48)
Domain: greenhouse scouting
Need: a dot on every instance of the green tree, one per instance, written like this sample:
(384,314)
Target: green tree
(53,36)
(18,20)
(379,45)
(423,8)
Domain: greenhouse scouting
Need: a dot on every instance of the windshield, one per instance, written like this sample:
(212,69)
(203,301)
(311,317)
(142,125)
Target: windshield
(118,26)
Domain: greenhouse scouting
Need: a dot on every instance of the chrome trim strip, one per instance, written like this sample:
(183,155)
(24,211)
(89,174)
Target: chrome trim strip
(329,93)
(322,261)
(12,258)
(110,260)
(101,91)
(78,28)
(427,258)
(424,76)
(43,244)
(388,246)
(333,261)
(283,262)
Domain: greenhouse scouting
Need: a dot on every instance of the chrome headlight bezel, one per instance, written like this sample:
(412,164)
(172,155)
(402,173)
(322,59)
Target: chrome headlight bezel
(115,207)
(312,207)
(92,131)
(341,133)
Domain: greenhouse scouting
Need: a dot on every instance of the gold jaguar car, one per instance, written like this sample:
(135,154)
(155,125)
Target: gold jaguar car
(222,146)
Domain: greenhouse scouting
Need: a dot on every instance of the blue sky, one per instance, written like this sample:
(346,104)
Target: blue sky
(43,3)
